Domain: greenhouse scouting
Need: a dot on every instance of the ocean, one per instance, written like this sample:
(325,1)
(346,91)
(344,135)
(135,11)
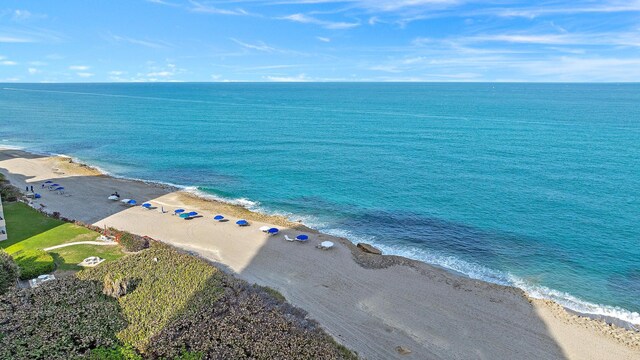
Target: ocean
(530,185)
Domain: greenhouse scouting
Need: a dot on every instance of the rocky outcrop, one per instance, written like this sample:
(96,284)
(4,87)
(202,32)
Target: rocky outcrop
(369,249)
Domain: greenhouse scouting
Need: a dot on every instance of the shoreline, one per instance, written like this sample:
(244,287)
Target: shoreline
(200,197)
(369,262)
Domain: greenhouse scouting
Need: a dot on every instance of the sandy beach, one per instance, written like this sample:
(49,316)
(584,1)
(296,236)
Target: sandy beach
(372,304)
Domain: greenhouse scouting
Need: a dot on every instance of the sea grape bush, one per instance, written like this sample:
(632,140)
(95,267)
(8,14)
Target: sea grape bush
(184,308)
(60,319)
(132,243)
(169,305)
(165,282)
(9,272)
(245,322)
(33,263)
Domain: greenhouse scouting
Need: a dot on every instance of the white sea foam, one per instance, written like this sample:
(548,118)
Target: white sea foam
(476,271)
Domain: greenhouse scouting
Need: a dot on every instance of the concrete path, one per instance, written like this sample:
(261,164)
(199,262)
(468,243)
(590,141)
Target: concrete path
(99,243)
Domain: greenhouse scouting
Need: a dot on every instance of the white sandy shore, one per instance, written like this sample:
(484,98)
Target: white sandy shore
(433,313)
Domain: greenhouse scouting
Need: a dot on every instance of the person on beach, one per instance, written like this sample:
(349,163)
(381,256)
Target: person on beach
(31,188)
(26,188)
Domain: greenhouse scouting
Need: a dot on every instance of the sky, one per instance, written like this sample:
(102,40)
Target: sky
(319,40)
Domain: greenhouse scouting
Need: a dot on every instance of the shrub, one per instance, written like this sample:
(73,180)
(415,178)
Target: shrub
(114,353)
(133,243)
(9,272)
(163,288)
(33,262)
(8,192)
(61,319)
(244,323)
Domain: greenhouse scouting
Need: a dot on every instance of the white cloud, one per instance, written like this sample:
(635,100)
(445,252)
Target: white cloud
(607,7)
(33,71)
(298,78)
(8,62)
(160,74)
(162,2)
(201,8)
(145,43)
(79,67)
(323,39)
(261,46)
(305,19)
(386,68)
(15,39)
(20,15)
(85,74)
(116,73)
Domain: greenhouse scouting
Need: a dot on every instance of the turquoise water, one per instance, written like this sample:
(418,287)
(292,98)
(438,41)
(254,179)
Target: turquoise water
(533,185)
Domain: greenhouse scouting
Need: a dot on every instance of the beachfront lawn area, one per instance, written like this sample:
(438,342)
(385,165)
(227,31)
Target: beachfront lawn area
(30,231)
(67,258)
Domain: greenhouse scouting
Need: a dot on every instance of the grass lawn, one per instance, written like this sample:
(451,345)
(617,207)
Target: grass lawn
(28,229)
(67,257)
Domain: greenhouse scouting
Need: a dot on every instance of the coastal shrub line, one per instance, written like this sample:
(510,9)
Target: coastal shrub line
(61,319)
(33,263)
(165,281)
(132,243)
(9,272)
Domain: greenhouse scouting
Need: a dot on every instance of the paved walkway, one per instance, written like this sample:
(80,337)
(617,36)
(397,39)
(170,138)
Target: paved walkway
(100,243)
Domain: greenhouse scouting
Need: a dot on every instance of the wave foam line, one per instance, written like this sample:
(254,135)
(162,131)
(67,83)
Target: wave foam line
(480,272)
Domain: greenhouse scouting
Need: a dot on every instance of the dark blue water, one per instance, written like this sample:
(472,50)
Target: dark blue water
(533,185)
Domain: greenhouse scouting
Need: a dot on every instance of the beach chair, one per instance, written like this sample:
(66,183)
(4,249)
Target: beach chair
(286,237)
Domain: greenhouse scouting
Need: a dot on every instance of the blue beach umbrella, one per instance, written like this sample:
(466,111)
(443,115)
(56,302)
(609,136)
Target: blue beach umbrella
(193,213)
(218,217)
(178,211)
(302,237)
(146,205)
(52,185)
(242,222)
(273,231)
(48,182)
(132,202)
(184,216)
(59,188)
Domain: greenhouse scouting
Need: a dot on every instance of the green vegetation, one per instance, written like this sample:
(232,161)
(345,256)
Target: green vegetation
(9,272)
(114,353)
(179,307)
(60,319)
(24,222)
(31,231)
(158,303)
(8,192)
(169,305)
(132,243)
(33,262)
(68,258)
(164,288)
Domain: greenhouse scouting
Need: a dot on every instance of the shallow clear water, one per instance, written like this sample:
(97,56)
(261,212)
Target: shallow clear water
(534,185)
